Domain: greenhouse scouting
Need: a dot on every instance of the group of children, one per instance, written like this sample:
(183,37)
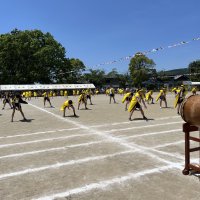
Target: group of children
(133,99)
(52,93)
(180,95)
(14,100)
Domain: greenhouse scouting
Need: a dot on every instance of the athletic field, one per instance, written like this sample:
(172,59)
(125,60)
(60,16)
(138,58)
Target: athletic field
(98,156)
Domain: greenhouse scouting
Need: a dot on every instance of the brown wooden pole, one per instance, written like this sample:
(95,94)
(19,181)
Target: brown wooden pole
(187,150)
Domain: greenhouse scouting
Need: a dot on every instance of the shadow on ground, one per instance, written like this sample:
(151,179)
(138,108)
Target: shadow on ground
(136,119)
(72,116)
(27,120)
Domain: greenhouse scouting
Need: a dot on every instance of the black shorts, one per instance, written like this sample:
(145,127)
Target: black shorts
(46,99)
(137,105)
(162,98)
(17,105)
(6,101)
(88,97)
(180,100)
(83,100)
(128,98)
(111,95)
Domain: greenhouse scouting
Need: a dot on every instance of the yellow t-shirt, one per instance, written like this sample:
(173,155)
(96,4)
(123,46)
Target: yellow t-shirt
(65,104)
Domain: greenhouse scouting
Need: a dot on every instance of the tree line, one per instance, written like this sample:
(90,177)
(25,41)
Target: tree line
(31,56)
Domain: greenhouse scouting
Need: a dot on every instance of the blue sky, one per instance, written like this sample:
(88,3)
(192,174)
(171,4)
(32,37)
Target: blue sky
(97,31)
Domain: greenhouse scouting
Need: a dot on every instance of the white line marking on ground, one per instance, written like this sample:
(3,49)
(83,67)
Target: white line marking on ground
(169,144)
(72,162)
(59,117)
(110,182)
(173,155)
(86,144)
(90,143)
(38,133)
(44,140)
(88,159)
(70,129)
(52,149)
(66,137)
(159,146)
(130,122)
(114,139)
(152,133)
(110,137)
(93,131)
(58,165)
(138,127)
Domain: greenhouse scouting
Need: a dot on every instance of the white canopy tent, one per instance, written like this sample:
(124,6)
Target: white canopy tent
(195,83)
(190,83)
(46,87)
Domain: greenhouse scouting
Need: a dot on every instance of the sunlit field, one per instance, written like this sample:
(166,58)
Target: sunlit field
(98,155)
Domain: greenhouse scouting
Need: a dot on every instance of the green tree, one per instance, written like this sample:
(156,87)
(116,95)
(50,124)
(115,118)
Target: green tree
(77,67)
(113,74)
(194,70)
(33,56)
(124,80)
(71,71)
(97,77)
(141,69)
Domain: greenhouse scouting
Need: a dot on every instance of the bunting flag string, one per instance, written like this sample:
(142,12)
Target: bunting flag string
(147,52)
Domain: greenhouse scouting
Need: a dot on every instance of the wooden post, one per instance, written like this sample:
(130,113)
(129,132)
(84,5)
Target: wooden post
(187,153)
(187,128)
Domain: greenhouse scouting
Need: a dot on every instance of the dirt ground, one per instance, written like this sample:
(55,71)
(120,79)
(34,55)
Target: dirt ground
(100,155)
